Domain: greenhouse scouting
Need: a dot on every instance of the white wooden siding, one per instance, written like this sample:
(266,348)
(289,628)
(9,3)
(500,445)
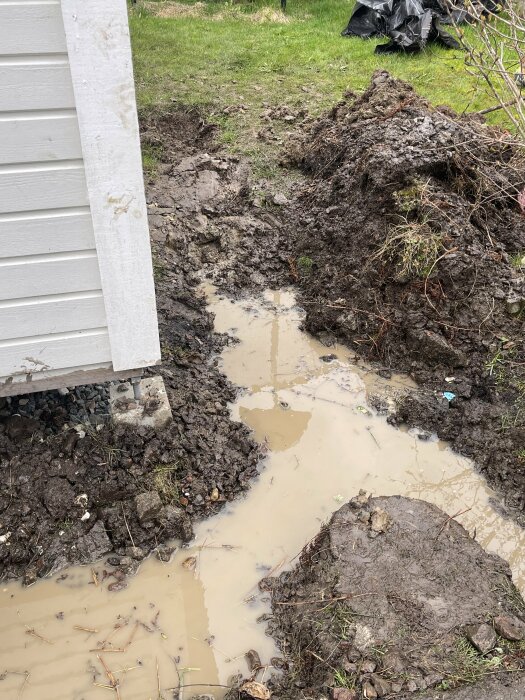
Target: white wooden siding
(26,137)
(34,84)
(41,232)
(97,35)
(42,186)
(42,275)
(76,280)
(62,350)
(52,312)
(31,27)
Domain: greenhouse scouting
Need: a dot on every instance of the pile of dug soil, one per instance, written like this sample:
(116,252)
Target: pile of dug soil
(140,487)
(411,248)
(392,598)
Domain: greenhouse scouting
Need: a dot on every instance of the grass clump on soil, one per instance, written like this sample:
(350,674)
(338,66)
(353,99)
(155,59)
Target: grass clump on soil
(166,483)
(413,248)
(465,665)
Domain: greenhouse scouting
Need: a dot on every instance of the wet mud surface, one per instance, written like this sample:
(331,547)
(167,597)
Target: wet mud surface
(394,597)
(410,249)
(53,474)
(199,608)
(443,304)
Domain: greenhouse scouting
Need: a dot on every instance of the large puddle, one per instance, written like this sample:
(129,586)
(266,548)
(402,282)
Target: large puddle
(69,638)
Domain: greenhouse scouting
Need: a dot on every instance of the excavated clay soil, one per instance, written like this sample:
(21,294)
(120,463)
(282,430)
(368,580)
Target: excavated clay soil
(410,249)
(392,598)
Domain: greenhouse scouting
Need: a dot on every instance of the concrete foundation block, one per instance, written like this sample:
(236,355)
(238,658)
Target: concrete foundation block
(143,403)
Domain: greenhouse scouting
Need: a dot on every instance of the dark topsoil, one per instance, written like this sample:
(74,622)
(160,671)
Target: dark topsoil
(392,598)
(409,247)
(196,464)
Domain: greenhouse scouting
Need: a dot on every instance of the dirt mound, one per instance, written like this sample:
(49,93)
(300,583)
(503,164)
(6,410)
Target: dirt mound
(393,597)
(411,248)
(51,474)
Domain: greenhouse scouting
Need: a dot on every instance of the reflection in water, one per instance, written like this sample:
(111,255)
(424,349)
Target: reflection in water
(325,444)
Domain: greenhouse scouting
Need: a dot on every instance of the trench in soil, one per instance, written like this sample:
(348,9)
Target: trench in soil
(325,443)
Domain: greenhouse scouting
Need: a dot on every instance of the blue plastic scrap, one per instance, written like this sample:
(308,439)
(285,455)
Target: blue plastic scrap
(448,395)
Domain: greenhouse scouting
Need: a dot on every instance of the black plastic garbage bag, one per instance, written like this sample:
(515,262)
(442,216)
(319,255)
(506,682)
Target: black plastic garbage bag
(408,24)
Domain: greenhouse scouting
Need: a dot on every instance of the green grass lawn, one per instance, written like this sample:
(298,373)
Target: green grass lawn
(221,57)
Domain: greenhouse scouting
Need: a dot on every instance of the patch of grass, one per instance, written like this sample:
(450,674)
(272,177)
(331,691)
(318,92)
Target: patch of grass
(305,264)
(166,483)
(518,260)
(413,247)
(151,156)
(465,665)
(223,53)
(342,679)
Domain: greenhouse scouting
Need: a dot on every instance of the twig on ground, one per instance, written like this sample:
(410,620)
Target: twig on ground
(32,633)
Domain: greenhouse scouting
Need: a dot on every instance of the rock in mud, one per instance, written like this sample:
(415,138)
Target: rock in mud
(94,544)
(344,694)
(412,591)
(148,506)
(165,552)
(253,689)
(482,637)
(509,627)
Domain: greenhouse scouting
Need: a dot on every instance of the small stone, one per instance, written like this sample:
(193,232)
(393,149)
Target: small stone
(253,660)
(280,199)
(369,691)
(278,663)
(509,627)
(214,495)
(328,358)
(393,663)
(30,576)
(344,694)
(358,501)
(117,586)
(148,506)
(381,685)
(135,553)
(128,565)
(165,552)
(255,690)
(482,637)
(368,666)
(380,521)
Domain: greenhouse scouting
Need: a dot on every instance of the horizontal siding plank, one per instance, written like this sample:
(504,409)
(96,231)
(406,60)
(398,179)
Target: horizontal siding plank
(27,190)
(39,139)
(39,278)
(51,315)
(58,352)
(31,28)
(35,86)
(37,235)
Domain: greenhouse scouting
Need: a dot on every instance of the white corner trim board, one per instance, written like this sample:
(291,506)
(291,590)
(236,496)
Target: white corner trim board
(100,59)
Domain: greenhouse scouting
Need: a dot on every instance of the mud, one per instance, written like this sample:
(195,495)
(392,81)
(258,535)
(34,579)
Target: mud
(201,608)
(54,469)
(410,246)
(205,205)
(383,603)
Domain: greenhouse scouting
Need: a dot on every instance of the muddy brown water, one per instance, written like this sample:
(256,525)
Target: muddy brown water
(324,444)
